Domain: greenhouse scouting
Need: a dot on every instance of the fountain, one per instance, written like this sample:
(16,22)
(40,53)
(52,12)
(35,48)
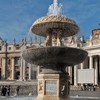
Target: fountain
(54,57)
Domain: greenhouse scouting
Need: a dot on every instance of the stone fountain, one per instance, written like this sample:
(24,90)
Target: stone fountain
(53,58)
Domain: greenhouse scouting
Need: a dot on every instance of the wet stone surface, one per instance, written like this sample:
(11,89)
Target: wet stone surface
(62,56)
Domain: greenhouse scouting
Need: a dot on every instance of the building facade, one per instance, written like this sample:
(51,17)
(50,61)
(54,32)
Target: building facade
(88,72)
(14,67)
(12,64)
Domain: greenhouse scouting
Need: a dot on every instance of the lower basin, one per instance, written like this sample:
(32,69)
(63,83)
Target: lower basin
(58,56)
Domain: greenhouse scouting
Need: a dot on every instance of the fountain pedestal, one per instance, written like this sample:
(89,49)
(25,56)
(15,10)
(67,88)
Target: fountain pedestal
(53,86)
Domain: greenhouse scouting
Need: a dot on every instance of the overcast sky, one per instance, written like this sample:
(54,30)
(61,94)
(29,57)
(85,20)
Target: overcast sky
(17,16)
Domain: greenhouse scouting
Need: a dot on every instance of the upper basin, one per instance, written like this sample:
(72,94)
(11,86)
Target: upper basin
(47,23)
(62,56)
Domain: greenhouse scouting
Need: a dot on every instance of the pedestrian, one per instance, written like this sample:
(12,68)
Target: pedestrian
(17,90)
(4,90)
(8,90)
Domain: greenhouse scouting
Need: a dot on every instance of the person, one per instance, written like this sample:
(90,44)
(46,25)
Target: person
(94,87)
(8,90)
(17,90)
(4,91)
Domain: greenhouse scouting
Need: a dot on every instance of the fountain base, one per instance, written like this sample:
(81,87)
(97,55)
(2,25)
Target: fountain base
(53,86)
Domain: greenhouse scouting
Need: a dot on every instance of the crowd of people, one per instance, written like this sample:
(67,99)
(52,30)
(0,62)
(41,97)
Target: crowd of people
(88,87)
(6,90)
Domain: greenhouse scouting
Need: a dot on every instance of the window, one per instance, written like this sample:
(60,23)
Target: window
(17,61)
(9,48)
(0,48)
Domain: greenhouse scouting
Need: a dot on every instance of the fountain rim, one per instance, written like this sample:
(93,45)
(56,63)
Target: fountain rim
(39,47)
(64,19)
(75,53)
(67,25)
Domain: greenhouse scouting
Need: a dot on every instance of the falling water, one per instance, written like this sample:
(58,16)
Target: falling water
(30,35)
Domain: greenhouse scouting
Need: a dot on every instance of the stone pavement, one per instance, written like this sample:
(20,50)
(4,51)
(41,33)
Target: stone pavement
(84,98)
(26,88)
(85,93)
(34,82)
(30,87)
(18,98)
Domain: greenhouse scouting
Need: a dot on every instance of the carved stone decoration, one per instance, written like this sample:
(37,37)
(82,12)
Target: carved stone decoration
(67,25)
(59,37)
(54,39)
(40,87)
(48,40)
(64,86)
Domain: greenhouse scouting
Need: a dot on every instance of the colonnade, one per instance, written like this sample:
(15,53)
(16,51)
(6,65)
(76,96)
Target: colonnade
(22,69)
(93,63)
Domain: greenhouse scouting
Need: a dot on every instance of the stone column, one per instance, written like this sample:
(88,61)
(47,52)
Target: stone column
(30,66)
(13,69)
(24,68)
(96,71)
(38,70)
(21,69)
(82,65)
(3,72)
(90,62)
(75,75)
(99,71)
(70,73)
(69,70)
